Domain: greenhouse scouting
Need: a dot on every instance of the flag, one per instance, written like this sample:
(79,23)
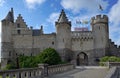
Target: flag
(100,7)
(78,22)
(85,21)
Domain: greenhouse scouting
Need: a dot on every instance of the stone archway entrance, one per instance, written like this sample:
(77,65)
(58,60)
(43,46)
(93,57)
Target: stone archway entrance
(82,59)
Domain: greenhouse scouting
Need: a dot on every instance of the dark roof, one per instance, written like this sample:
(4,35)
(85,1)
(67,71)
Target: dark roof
(10,16)
(36,32)
(62,17)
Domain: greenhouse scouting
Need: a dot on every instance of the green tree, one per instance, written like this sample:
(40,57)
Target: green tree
(49,56)
(27,61)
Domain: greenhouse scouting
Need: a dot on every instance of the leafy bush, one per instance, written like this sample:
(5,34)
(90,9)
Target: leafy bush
(109,59)
(9,66)
(27,61)
(49,56)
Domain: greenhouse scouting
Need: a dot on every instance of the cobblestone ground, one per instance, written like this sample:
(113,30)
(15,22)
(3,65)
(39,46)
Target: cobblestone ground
(83,73)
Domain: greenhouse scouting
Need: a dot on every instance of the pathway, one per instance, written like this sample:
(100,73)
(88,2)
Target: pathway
(84,72)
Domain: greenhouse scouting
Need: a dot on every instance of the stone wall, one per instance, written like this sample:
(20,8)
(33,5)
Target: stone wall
(113,49)
(82,44)
(28,44)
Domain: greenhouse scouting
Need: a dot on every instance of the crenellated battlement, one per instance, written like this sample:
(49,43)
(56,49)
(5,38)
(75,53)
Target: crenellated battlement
(82,35)
(113,45)
(99,19)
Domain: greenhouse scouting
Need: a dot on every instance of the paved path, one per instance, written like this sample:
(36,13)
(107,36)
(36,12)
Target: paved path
(83,73)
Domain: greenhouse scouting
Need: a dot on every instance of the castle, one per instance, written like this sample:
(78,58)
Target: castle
(78,47)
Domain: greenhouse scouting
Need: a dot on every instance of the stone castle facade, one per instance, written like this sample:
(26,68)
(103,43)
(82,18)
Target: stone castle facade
(78,47)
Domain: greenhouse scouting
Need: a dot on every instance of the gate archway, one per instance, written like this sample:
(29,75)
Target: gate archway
(82,59)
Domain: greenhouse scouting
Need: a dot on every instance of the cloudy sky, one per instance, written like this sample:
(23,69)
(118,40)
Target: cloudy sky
(46,12)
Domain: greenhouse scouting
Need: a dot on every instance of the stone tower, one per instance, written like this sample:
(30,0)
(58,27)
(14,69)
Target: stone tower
(101,35)
(6,50)
(63,33)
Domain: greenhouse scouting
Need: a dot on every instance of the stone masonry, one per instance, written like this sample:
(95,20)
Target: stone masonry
(78,47)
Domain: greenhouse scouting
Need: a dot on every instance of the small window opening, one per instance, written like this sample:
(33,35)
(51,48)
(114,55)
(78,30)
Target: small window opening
(18,31)
(52,43)
(18,25)
(10,53)
(99,28)
(63,40)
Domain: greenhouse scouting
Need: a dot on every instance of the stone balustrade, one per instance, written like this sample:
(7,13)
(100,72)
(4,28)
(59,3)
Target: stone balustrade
(111,64)
(40,72)
(54,69)
(114,71)
(22,73)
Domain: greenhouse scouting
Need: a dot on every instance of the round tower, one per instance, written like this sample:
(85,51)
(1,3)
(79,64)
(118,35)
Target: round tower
(6,48)
(63,34)
(63,29)
(101,34)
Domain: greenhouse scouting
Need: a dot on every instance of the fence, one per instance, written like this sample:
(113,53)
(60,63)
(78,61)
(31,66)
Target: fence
(40,72)
(114,71)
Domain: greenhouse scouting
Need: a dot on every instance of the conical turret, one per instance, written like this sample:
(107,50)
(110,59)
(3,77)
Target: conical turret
(62,17)
(10,16)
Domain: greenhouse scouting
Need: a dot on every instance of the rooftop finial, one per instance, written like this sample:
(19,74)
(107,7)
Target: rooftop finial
(12,10)
(62,10)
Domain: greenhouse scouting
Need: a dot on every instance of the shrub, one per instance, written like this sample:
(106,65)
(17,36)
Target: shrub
(109,59)
(49,56)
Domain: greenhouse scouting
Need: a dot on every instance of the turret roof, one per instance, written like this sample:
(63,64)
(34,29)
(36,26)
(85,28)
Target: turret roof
(10,16)
(62,17)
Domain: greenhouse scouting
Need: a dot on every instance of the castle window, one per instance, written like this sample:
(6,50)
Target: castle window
(18,25)
(99,27)
(63,40)
(10,53)
(18,31)
(52,43)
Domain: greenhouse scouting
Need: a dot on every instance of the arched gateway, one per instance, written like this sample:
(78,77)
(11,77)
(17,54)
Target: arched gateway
(82,59)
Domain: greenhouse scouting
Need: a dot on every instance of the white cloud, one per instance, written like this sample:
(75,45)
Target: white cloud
(87,5)
(0,40)
(32,3)
(53,17)
(2,2)
(114,13)
(115,22)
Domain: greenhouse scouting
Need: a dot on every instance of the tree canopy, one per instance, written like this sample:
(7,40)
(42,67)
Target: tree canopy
(48,56)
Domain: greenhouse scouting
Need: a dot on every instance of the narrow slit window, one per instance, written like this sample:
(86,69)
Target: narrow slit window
(52,43)
(18,31)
